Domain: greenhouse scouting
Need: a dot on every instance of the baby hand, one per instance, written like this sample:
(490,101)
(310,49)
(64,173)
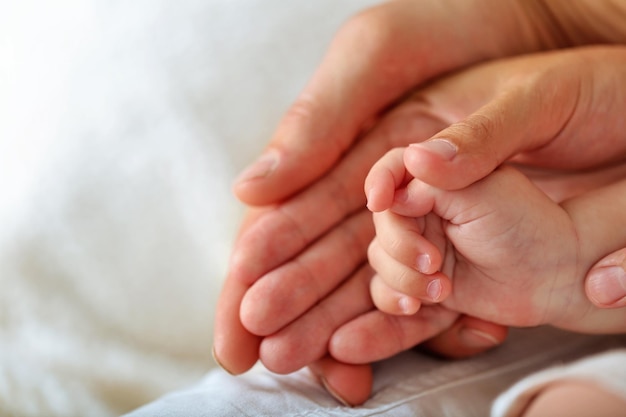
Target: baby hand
(508,252)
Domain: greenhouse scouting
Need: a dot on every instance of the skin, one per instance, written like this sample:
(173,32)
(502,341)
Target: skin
(342,103)
(575,399)
(515,256)
(563,118)
(386,178)
(568,118)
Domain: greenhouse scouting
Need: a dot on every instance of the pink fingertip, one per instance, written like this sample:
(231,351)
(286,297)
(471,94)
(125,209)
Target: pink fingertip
(376,198)
(408,305)
(370,197)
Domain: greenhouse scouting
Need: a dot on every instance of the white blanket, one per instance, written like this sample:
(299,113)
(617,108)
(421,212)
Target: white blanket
(411,384)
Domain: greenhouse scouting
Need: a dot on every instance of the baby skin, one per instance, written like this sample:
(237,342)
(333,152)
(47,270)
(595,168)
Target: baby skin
(500,249)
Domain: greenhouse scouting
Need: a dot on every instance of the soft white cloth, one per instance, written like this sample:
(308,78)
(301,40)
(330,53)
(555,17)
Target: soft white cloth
(411,384)
(607,371)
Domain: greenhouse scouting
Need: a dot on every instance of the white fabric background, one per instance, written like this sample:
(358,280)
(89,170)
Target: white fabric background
(410,384)
(122,125)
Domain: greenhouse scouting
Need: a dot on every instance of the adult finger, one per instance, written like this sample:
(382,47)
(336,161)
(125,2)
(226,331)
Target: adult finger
(278,234)
(273,236)
(306,339)
(350,384)
(438,329)
(234,348)
(285,293)
(375,335)
(399,46)
(541,117)
(306,342)
(597,235)
(468,336)
(605,284)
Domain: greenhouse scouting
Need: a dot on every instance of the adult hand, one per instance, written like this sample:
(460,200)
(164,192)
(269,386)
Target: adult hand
(606,282)
(533,109)
(399,46)
(562,119)
(310,149)
(515,256)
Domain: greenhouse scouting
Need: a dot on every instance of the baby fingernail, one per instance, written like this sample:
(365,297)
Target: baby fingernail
(442,147)
(607,285)
(434,289)
(423,263)
(262,167)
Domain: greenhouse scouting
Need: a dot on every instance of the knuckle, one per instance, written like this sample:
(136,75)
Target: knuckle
(414,119)
(372,252)
(372,32)
(478,126)
(303,109)
(395,247)
(408,282)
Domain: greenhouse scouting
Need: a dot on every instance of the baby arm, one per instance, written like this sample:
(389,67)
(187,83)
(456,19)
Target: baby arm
(512,255)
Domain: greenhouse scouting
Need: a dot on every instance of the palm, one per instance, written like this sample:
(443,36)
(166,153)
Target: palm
(511,255)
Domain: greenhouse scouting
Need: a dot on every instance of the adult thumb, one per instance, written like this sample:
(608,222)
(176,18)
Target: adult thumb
(533,110)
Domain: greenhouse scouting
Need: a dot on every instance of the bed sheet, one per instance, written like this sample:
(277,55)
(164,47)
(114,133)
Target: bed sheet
(410,384)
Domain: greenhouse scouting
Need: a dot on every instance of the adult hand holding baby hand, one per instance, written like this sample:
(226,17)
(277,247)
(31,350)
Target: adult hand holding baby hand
(315,161)
(315,151)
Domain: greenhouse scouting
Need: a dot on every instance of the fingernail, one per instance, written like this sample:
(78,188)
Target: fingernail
(216,359)
(607,285)
(423,263)
(409,305)
(442,147)
(477,339)
(334,393)
(434,289)
(261,168)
